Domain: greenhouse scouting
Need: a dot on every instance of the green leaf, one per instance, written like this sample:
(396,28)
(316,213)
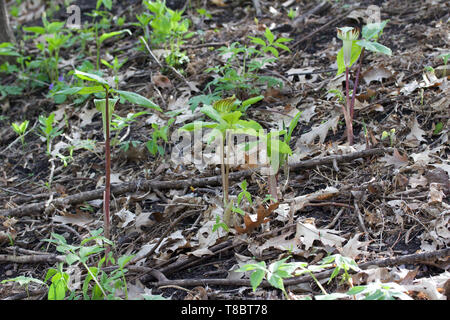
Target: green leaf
(138,99)
(256,278)
(90,77)
(373,30)
(281,46)
(100,106)
(233,117)
(356,51)
(21,280)
(257,40)
(276,281)
(38,30)
(269,35)
(246,103)
(122,261)
(292,125)
(198,125)
(108,35)
(212,113)
(374,47)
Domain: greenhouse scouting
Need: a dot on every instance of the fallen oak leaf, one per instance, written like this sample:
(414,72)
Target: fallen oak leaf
(261,217)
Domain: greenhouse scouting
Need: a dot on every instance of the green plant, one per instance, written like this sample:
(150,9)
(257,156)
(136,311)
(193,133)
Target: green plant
(168,28)
(372,291)
(292,14)
(352,50)
(115,66)
(445,57)
(47,131)
(390,134)
(24,281)
(274,274)
(55,37)
(158,133)
(20,129)
(226,122)
(119,123)
(97,284)
(106,107)
(241,195)
(239,73)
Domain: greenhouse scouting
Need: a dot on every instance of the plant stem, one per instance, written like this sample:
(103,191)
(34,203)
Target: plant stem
(352,104)
(347,115)
(106,195)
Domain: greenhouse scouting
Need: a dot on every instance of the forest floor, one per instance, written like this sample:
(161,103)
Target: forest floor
(382,201)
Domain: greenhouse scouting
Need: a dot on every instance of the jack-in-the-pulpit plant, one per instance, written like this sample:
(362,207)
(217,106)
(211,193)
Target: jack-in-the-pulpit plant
(352,50)
(102,86)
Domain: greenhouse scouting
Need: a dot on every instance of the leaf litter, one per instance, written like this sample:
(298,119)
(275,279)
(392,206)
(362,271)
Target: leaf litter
(402,200)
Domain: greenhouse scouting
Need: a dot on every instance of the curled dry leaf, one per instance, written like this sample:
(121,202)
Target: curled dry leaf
(378,73)
(261,217)
(161,81)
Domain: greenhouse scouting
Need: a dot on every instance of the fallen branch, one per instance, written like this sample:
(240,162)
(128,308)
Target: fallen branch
(407,259)
(146,185)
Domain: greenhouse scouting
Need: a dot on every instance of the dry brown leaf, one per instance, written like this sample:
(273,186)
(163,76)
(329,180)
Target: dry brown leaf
(261,217)
(81,218)
(161,81)
(397,160)
(376,74)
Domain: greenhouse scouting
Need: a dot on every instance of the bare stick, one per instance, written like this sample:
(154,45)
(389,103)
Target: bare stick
(145,185)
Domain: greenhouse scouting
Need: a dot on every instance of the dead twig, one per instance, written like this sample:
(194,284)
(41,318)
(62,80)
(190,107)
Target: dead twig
(145,185)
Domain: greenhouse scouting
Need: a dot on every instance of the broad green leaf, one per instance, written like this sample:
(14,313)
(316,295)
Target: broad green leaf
(269,35)
(22,280)
(54,27)
(276,281)
(38,30)
(373,30)
(257,40)
(71,258)
(356,51)
(138,99)
(256,277)
(212,113)
(246,103)
(374,47)
(122,261)
(108,35)
(100,105)
(281,46)
(232,117)
(90,77)
(198,125)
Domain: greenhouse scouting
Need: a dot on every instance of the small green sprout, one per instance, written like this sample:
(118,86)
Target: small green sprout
(20,129)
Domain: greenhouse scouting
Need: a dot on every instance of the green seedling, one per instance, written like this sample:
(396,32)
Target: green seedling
(168,28)
(106,107)
(292,14)
(352,50)
(240,70)
(159,133)
(274,274)
(55,37)
(390,134)
(20,129)
(47,131)
(119,123)
(445,57)
(244,193)
(115,66)
(372,291)
(24,281)
(226,122)
(104,285)
(103,38)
